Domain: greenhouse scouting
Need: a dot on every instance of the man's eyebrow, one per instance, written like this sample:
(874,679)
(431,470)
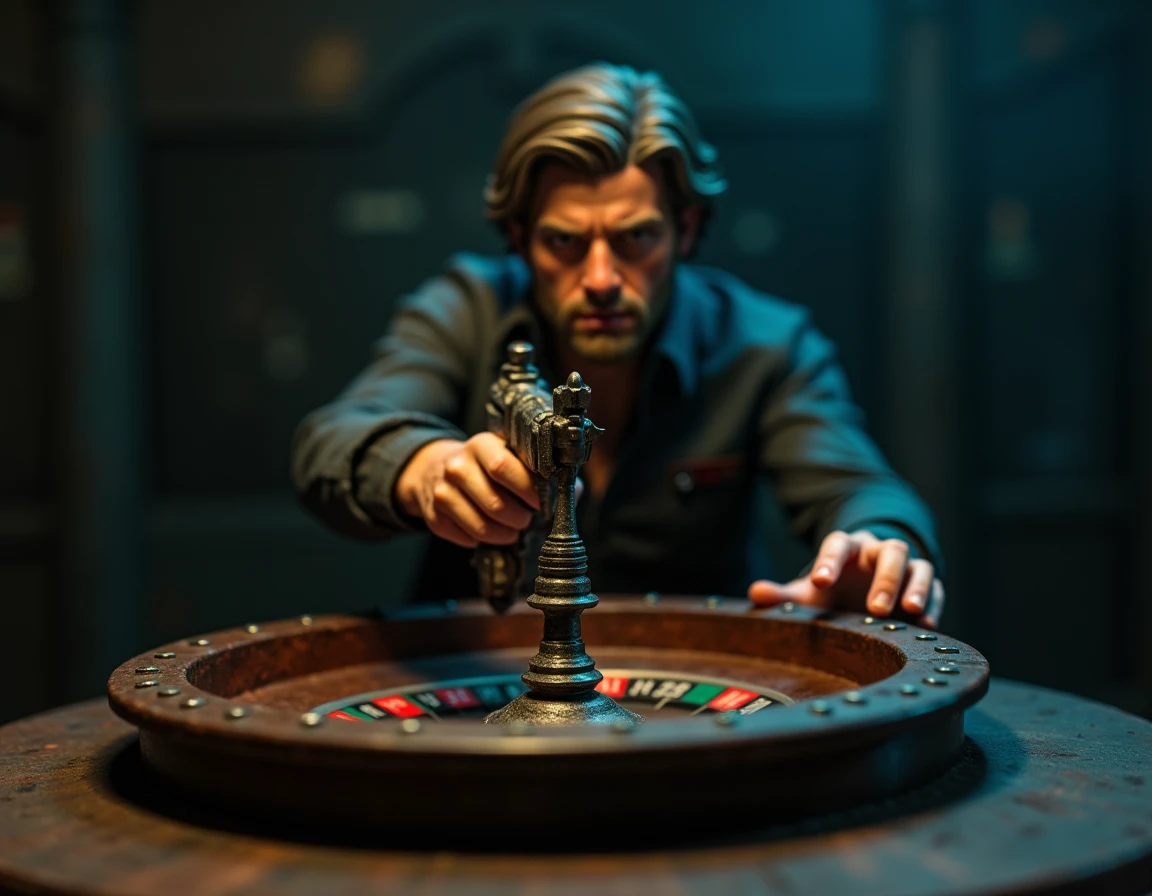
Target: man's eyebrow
(645,220)
(560,226)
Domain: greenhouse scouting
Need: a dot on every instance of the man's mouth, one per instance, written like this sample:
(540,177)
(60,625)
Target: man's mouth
(604,322)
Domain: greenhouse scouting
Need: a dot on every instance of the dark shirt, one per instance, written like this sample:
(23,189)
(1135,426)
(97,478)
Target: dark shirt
(738,385)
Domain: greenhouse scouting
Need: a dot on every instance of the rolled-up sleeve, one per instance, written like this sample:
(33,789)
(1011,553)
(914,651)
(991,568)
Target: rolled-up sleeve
(826,470)
(347,455)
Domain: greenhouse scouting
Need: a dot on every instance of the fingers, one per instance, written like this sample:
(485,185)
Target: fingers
(858,571)
(766,593)
(443,527)
(834,552)
(891,563)
(919,582)
(466,473)
(504,467)
(478,492)
(931,617)
(449,506)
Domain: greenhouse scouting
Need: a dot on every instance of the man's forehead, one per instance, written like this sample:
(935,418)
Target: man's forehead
(566,195)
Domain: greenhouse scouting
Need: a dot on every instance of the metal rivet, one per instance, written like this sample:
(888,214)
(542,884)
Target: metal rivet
(869,620)
(713,602)
(652,598)
(167,692)
(821,708)
(726,719)
(855,698)
(252,629)
(306,620)
(909,690)
(200,642)
(684,482)
(519,728)
(623,726)
(936,682)
(947,649)
(192,703)
(147,670)
(787,607)
(895,626)
(925,637)
(149,683)
(236,712)
(166,655)
(311,719)
(948,670)
(410,726)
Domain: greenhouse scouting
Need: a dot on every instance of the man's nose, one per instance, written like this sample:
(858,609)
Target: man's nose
(601,280)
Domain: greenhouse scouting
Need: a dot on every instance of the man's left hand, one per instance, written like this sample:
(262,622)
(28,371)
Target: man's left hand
(858,571)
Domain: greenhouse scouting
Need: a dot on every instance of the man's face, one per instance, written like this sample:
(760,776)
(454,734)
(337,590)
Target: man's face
(601,251)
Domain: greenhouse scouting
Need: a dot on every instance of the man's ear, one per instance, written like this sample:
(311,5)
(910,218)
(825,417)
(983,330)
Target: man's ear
(690,218)
(517,238)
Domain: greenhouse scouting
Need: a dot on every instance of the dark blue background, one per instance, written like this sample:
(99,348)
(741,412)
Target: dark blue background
(212,207)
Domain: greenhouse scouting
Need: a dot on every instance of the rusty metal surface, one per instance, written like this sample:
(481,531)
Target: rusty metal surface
(1053,794)
(900,726)
(220,667)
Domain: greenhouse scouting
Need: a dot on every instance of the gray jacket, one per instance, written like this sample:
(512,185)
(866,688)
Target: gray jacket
(739,385)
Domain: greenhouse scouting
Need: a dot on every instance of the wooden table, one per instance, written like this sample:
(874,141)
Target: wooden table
(1053,794)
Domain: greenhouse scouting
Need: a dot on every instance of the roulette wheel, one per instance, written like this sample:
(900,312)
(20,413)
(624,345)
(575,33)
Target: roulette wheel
(771,713)
(710,747)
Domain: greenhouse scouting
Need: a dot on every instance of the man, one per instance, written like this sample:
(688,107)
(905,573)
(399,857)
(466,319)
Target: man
(602,187)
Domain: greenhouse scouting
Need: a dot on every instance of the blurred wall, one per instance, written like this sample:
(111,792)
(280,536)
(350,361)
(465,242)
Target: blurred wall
(26,524)
(959,191)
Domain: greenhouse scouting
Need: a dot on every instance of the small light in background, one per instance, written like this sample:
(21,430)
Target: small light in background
(15,267)
(1044,40)
(398,211)
(1010,253)
(756,232)
(284,339)
(332,68)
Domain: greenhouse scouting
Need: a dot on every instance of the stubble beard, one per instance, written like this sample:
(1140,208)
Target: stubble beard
(606,347)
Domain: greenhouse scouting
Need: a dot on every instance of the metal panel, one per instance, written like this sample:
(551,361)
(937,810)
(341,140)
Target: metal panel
(23,368)
(1047,362)
(1050,355)
(21,46)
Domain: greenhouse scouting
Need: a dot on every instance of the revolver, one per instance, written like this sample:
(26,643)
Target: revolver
(521,410)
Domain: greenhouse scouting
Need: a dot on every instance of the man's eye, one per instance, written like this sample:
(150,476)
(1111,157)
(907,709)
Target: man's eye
(562,244)
(635,242)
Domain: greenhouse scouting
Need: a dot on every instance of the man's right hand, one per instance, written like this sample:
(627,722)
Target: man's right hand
(469,492)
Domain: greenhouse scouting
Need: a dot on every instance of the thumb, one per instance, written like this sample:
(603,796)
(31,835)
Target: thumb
(766,593)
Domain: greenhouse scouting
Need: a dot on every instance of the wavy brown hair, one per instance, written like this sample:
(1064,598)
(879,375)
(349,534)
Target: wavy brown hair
(599,119)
